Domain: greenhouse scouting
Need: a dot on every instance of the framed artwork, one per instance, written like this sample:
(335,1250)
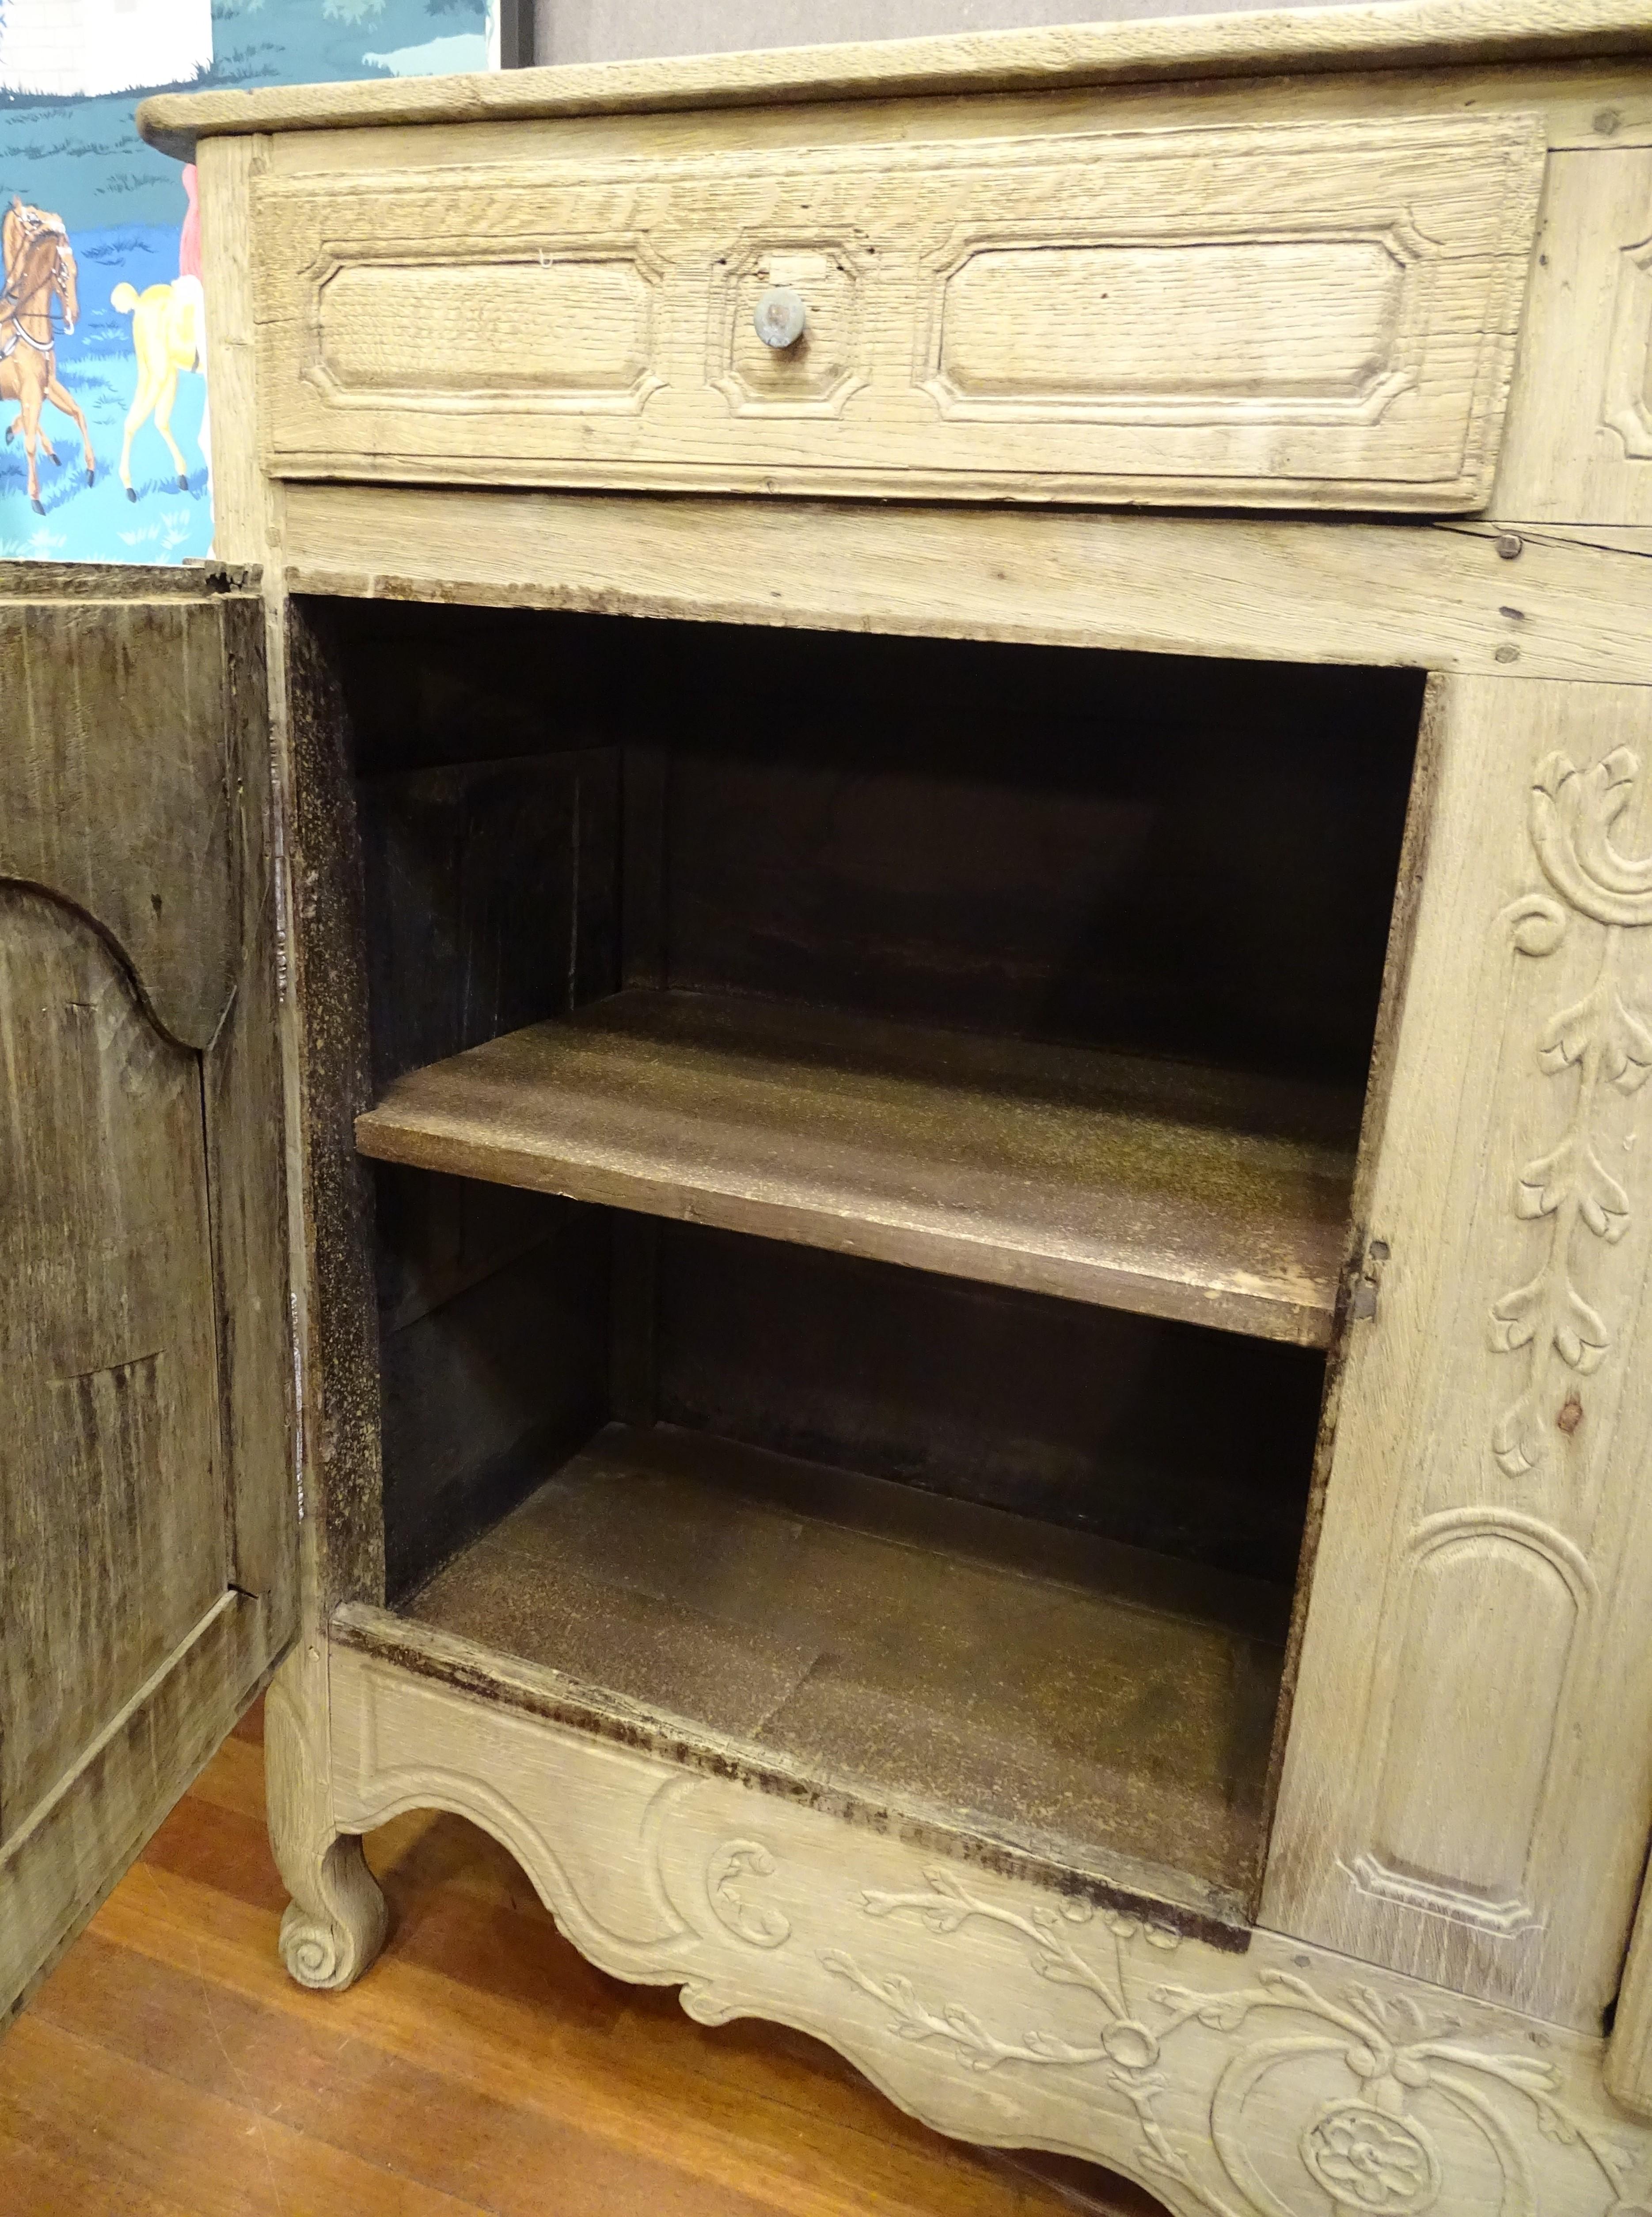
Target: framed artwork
(104,440)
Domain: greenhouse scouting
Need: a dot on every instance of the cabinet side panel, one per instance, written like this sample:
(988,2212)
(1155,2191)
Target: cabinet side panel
(339,1418)
(240,502)
(1476,1629)
(1628,2058)
(244,1126)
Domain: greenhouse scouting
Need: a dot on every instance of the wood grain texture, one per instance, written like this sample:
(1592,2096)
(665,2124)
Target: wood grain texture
(490,892)
(335,1919)
(486,1377)
(1479,1590)
(1087,1419)
(1222,1201)
(1629,2051)
(171,2070)
(244,1128)
(1419,33)
(1582,104)
(999,319)
(1579,447)
(852,1635)
(59,1863)
(988,2007)
(146,1539)
(1361,1283)
(113,788)
(1439,599)
(114,1540)
(240,517)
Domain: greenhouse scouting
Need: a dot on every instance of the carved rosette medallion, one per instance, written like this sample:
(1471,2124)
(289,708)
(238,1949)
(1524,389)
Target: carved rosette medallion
(1356,2097)
(1601,1043)
(1365,2160)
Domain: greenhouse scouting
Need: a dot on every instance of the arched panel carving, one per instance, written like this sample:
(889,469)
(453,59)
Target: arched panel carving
(1490,1620)
(118,792)
(114,1542)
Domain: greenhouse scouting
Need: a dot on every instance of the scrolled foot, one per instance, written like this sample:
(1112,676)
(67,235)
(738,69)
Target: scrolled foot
(335,1924)
(329,1941)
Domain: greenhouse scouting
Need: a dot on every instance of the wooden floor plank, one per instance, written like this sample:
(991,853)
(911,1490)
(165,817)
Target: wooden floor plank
(170,2069)
(76,2097)
(40,2183)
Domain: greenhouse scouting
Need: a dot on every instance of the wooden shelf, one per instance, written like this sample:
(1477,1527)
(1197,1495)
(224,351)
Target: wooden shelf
(1103,1710)
(1136,1184)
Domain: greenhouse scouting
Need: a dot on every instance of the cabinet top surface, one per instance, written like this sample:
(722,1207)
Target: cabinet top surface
(1390,34)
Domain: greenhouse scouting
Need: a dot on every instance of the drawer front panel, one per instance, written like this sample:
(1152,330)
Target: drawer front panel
(1289,315)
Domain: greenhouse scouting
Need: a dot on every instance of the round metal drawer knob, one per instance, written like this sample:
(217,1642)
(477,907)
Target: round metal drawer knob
(781,318)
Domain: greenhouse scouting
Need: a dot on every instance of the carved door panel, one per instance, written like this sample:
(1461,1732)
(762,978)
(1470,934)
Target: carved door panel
(1467,1784)
(147,1544)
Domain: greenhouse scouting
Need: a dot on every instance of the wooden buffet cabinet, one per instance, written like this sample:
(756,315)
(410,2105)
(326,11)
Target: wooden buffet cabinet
(958,906)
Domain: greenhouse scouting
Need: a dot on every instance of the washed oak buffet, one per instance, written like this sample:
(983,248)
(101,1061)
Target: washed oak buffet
(958,906)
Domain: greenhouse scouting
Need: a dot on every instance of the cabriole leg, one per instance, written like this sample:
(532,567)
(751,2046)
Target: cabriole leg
(334,1924)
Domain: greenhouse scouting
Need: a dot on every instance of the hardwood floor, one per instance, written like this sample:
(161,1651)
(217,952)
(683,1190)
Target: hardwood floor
(170,2068)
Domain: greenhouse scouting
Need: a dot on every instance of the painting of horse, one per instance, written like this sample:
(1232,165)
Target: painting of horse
(40,278)
(133,346)
(168,335)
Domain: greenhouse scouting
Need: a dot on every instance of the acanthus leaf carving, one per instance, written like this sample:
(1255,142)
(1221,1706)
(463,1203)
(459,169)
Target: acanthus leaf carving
(1603,1042)
(731,1866)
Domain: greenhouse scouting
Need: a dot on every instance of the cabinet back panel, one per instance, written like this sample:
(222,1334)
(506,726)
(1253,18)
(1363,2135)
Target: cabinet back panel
(1170,854)
(1049,845)
(490,899)
(1192,1442)
(493,1322)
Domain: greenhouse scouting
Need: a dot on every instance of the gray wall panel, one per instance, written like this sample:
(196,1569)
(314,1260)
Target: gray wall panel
(623,30)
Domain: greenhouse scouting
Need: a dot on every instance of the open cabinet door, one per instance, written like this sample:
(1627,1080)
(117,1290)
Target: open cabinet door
(148,1544)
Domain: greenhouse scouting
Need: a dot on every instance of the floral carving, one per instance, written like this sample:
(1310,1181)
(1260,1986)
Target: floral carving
(1364,2148)
(1365,2160)
(1607,1044)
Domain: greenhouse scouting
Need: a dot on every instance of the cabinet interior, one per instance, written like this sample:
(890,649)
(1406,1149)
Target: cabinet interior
(862,1137)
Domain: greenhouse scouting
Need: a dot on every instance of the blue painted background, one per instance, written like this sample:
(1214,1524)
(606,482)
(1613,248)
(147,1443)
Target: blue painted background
(124,206)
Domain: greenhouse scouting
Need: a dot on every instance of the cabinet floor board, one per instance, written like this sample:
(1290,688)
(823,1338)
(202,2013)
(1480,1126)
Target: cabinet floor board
(1100,1706)
(1157,1187)
(170,2068)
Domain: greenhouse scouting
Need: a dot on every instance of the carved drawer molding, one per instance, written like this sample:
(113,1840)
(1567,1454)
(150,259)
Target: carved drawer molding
(1289,315)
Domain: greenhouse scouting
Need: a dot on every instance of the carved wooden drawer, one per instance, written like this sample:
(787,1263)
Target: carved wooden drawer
(1291,316)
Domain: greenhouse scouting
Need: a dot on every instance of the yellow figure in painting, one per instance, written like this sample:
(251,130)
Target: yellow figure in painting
(169,334)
